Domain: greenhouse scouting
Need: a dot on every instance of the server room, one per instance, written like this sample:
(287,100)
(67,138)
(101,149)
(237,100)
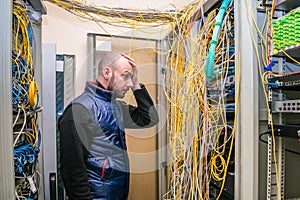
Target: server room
(150,100)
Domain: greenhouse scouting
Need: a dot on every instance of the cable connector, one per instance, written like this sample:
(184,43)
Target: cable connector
(32,185)
(275,84)
(269,67)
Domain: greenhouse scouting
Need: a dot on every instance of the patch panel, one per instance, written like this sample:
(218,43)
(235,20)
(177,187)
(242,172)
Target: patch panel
(287,106)
(287,30)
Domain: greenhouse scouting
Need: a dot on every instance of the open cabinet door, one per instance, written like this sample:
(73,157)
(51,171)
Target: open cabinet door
(142,143)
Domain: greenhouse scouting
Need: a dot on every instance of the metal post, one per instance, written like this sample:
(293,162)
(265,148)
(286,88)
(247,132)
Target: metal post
(281,144)
(37,60)
(246,151)
(48,114)
(6,137)
(161,128)
(273,191)
(90,75)
(281,164)
(269,167)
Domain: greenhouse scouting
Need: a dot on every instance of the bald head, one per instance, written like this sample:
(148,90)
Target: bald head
(108,60)
(117,73)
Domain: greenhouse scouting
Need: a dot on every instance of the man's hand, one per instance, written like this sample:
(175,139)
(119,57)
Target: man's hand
(134,79)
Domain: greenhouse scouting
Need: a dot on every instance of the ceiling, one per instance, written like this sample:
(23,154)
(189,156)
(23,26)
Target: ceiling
(143,5)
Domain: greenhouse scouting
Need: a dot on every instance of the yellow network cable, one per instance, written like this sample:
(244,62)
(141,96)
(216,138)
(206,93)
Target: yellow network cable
(290,57)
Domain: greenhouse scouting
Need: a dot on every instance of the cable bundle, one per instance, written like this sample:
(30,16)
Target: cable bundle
(116,16)
(21,75)
(122,17)
(26,136)
(202,117)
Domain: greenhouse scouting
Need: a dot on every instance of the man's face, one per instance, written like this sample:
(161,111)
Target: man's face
(121,79)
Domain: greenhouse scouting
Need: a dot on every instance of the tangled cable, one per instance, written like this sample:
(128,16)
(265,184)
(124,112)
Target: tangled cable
(25,103)
(202,113)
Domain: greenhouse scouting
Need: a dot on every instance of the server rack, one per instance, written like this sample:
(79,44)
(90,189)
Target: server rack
(7,169)
(283,132)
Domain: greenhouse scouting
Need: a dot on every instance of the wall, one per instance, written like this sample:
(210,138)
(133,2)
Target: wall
(69,33)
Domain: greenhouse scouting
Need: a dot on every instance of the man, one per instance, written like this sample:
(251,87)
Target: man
(94,160)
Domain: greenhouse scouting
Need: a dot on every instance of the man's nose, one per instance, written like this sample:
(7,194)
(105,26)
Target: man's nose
(129,83)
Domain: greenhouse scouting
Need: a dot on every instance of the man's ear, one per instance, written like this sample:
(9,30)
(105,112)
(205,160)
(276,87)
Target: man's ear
(106,72)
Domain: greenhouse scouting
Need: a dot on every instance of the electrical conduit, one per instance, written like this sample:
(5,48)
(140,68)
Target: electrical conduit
(209,66)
